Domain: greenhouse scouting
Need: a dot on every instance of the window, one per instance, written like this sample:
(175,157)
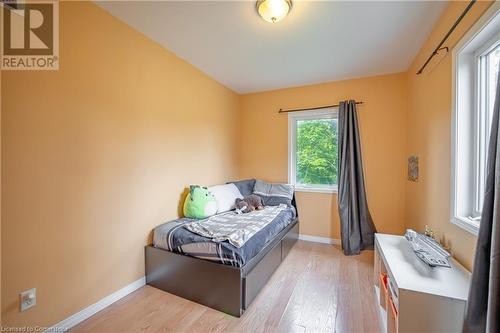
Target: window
(476,60)
(487,66)
(312,152)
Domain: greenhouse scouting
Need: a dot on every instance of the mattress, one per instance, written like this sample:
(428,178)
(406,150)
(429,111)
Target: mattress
(173,236)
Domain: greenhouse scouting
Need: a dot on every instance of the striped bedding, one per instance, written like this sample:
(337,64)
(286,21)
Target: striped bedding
(174,236)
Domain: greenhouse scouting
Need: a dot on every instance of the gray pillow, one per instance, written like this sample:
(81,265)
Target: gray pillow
(245,186)
(274,194)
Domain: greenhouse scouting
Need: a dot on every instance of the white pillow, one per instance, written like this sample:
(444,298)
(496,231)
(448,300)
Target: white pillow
(225,195)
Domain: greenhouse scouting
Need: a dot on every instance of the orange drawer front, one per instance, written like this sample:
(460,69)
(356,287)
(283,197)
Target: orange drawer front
(383,290)
(392,317)
(383,281)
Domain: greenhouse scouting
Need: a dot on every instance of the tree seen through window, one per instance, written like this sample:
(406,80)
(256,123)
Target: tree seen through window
(316,152)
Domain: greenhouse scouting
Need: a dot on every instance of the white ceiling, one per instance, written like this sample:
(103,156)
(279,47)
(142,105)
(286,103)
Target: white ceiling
(317,42)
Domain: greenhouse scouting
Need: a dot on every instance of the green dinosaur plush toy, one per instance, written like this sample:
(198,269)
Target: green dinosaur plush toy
(200,203)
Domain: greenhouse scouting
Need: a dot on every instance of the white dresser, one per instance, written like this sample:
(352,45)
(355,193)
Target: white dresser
(414,297)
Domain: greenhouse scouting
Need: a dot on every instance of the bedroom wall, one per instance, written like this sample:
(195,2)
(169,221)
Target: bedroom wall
(97,154)
(263,147)
(429,135)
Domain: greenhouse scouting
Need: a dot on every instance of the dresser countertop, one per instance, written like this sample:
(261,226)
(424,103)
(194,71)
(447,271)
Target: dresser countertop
(410,273)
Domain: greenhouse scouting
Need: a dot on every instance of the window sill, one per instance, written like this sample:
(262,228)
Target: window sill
(316,189)
(466,224)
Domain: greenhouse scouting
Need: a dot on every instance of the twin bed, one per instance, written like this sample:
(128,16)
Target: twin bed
(219,274)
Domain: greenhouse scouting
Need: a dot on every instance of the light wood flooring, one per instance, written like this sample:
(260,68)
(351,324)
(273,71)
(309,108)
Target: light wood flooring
(316,289)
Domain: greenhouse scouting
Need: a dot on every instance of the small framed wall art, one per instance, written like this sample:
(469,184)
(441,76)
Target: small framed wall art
(413,168)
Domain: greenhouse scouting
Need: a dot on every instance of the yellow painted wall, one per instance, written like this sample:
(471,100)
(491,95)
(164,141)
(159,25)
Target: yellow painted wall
(429,135)
(97,154)
(263,146)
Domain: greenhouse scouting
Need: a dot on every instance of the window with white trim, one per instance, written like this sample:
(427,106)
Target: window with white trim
(476,61)
(313,150)
(487,64)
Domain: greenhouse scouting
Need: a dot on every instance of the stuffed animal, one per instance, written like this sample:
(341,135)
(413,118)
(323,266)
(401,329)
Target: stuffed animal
(199,203)
(248,204)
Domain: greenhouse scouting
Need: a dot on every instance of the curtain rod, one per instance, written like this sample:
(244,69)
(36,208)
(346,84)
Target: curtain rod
(439,47)
(314,108)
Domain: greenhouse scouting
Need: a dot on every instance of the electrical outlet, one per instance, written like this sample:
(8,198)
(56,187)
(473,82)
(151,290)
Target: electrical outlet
(28,299)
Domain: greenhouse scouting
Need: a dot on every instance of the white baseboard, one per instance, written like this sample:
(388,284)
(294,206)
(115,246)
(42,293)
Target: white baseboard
(91,310)
(318,239)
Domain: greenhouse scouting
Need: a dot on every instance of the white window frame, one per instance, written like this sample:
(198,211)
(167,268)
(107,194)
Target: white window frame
(481,119)
(293,117)
(467,125)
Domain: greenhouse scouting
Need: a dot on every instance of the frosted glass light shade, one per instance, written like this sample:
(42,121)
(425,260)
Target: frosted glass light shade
(273,10)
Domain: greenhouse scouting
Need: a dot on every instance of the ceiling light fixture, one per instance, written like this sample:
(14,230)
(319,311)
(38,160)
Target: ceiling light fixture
(273,10)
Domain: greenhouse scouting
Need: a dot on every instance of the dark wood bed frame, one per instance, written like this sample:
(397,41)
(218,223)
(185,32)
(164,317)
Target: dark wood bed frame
(225,288)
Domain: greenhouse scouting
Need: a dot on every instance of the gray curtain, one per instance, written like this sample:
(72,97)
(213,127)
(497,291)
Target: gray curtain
(483,306)
(357,228)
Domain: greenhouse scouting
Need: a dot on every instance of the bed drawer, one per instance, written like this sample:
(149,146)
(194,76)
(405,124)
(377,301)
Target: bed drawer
(258,277)
(215,285)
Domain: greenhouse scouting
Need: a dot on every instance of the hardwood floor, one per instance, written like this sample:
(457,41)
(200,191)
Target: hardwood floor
(316,289)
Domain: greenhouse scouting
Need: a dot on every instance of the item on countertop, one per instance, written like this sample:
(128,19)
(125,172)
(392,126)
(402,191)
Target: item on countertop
(429,232)
(249,204)
(427,249)
(199,203)
(274,194)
